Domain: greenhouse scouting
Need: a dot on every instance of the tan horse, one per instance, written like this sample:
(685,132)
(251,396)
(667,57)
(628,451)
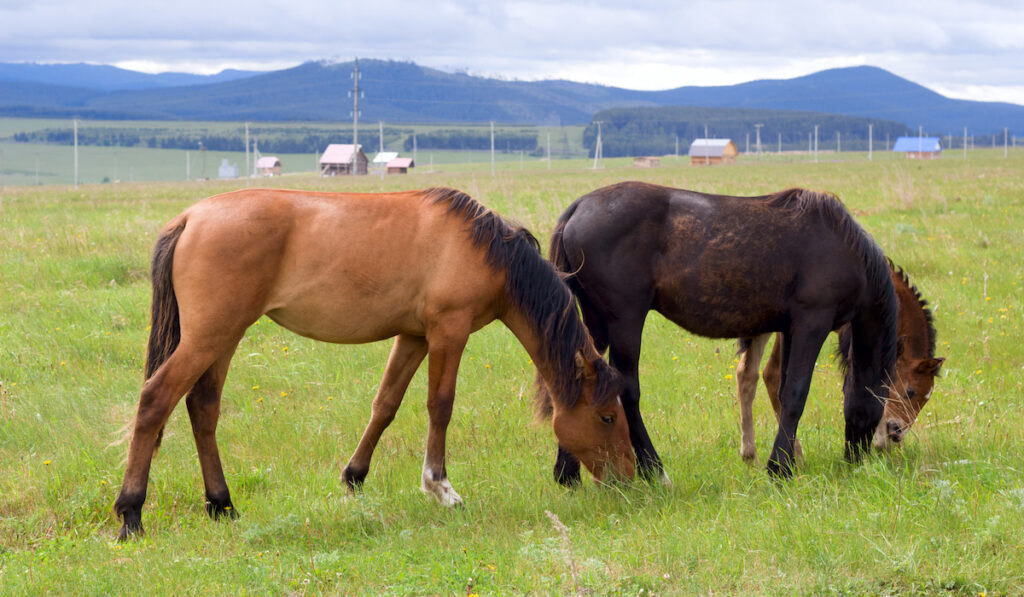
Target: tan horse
(426,267)
(916,368)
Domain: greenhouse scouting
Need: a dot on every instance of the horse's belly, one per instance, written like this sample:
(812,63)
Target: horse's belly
(345,323)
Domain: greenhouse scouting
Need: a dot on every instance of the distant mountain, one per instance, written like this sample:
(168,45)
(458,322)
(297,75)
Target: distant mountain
(406,92)
(107,78)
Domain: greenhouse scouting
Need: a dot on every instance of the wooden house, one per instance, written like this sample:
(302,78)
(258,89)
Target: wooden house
(342,159)
(268,166)
(646,162)
(400,165)
(710,152)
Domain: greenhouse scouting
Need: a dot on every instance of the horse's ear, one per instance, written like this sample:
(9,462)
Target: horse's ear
(584,368)
(930,366)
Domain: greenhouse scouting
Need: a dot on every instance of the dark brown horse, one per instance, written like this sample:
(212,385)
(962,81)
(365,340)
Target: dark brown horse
(916,368)
(732,267)
(426,267)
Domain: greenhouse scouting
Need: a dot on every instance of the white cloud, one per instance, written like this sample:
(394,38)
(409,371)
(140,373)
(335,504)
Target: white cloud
(971,46)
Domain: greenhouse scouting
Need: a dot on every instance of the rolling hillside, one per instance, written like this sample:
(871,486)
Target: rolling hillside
(406,92)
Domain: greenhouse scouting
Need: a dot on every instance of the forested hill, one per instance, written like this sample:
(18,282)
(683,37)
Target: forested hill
(406,92)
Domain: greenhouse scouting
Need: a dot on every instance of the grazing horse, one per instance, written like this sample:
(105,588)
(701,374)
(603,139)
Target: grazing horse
(916,368)
(426,267)
(732,267)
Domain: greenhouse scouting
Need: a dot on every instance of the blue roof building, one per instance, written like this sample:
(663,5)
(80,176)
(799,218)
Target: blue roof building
(919,147)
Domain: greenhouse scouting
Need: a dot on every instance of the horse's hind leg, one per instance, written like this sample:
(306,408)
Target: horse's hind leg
(746,389)
(203,403)
(406,355)
(160,395)
(772,375)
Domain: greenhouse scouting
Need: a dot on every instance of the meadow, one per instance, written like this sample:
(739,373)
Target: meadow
(942,515)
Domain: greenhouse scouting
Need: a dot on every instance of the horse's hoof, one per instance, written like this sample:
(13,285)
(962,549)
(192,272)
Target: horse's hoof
(443,492)
(782,472)
(127,532)
(353,478)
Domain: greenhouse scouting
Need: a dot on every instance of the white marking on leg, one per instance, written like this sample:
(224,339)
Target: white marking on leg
(441,490)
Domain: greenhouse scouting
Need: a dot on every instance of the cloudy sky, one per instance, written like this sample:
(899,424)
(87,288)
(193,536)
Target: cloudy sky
(971,49)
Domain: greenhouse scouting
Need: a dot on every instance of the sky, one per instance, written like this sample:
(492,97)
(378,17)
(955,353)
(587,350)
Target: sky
(970,49)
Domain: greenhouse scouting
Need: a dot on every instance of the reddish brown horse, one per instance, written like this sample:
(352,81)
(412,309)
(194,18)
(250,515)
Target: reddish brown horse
(916,368)
(426,267)
(794,262)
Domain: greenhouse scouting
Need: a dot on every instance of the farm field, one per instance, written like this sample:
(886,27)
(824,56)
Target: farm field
(940,516)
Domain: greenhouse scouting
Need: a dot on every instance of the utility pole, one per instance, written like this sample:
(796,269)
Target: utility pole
(1006,132)
(381,134)
(598,152)
(414,152)
(492,148)
(838,143)
(76,152)
(870,126)
(549,150)
(757,128)
(355,116)
(188,167)
(707,149)
(965,142)
(247,169)
(815,144)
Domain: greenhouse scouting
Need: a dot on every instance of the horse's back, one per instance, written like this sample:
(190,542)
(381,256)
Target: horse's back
(337,267)
(716,265)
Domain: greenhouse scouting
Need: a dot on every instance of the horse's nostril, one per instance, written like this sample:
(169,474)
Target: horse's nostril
(894,428)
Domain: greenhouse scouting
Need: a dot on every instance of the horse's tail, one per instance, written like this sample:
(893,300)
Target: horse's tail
(165,327)
(559,257)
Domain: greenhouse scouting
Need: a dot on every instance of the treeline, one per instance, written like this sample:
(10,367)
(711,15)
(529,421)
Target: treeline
(655,131)
(504,141)
(273,140)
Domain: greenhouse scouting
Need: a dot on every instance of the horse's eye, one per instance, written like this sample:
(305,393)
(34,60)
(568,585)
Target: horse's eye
(911,393)
(608,419)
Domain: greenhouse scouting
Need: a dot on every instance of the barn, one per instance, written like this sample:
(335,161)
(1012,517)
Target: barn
(919,148)
(646,162)
(268,166)
(400,165)
(708,152)
(338,159)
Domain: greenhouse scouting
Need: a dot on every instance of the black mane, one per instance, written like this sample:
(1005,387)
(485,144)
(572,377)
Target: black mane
(536,290)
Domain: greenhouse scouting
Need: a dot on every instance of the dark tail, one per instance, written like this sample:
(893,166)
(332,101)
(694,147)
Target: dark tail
(559,257)
(165,329)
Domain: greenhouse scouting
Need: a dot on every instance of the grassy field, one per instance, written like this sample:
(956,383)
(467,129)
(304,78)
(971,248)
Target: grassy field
(941,516)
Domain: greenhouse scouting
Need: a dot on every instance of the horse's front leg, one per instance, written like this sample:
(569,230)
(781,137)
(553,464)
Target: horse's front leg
(406,355)
(446,341)
(799,352)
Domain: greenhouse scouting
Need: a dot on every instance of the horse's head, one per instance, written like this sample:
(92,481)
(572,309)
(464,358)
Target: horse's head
(594,430)
(915,379)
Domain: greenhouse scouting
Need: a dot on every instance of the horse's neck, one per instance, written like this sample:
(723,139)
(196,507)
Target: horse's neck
(913,322)
(530,337)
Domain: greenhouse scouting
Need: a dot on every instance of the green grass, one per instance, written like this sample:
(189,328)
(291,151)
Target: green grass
(941,516)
